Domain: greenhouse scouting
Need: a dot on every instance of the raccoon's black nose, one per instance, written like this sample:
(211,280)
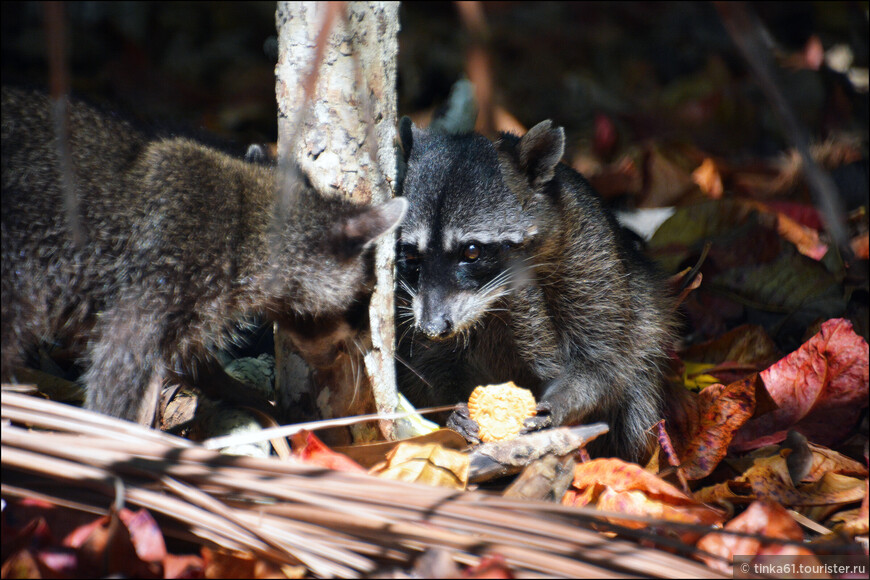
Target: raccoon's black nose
(438,328)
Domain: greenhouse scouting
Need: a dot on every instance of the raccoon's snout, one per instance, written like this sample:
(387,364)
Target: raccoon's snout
(439,327)
(435,317)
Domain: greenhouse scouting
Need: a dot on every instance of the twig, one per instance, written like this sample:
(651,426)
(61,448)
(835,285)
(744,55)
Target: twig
(479,67)
(59,88)
(754,42)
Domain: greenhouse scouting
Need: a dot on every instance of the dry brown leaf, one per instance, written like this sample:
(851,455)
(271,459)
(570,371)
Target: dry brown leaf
(226,564)
(370,454)
(665,181)
(719,494)
(854,522)
(430,464)
(769,478)
(622,177)
(747,344)
(829,461)
(22,564)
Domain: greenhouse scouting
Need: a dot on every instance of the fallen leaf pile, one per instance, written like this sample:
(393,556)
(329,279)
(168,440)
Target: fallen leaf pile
(763,447)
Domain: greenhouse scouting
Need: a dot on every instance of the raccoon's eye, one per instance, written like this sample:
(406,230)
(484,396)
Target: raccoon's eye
(471,252)
(409,255)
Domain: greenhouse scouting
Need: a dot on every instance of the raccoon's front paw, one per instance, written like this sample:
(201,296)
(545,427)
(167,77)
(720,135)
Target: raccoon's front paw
(461,422)
(542,419)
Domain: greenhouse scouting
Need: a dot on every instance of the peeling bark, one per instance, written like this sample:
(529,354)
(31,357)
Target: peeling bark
(339,123)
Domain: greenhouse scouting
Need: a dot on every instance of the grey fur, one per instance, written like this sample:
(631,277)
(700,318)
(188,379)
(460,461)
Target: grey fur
(563,305)
(182,240)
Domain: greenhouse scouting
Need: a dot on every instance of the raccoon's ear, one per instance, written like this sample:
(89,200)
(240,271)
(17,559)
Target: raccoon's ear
(261,153)
(406,136)
(358,231)
(539,151)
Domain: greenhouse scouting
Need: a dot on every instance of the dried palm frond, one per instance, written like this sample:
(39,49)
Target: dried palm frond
(335,523)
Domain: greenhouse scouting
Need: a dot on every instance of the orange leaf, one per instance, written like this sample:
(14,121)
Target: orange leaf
(820,389)
(581,499)
(614,485)
(708,179)
(805,239)
(861,246)
(622,476)
(765,518)
(225,564)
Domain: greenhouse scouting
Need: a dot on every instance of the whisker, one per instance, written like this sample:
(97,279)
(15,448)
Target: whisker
(413,370)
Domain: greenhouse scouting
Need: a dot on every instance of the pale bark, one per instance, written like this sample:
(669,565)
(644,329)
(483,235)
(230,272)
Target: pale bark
(343,138)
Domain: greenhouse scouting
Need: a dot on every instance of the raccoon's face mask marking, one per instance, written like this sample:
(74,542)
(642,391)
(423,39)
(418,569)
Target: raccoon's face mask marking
(453,290)
(457,252)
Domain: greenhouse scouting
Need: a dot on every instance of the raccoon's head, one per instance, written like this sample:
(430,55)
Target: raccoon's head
(321,259)
(464,243)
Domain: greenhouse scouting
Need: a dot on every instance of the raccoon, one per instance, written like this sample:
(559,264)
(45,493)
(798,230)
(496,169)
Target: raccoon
(510,268)
(180,240)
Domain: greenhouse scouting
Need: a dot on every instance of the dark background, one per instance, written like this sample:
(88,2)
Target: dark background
(659,70)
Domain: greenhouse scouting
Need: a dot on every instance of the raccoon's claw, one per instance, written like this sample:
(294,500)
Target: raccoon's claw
(540,421)
(461,422)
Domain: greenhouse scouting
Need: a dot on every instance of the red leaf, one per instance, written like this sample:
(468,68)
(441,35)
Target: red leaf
(107,545)
(820,390)
(183,567)
(804,214)
(145,535)
(721,411)
(58,563)
(605,135)
(490,566)
(310,449)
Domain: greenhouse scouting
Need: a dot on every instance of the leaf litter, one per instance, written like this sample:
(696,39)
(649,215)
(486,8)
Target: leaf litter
(765,454)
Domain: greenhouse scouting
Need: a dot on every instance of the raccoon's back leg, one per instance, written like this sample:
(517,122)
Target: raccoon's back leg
(23,321)
(126,367)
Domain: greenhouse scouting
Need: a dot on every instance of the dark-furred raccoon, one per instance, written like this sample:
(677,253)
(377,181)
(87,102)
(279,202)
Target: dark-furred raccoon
(180,240)
(513,270)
